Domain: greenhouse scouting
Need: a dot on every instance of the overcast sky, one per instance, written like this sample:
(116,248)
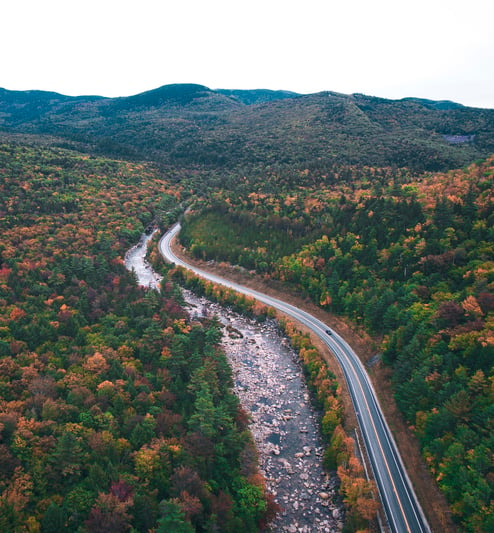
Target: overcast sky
(437,49)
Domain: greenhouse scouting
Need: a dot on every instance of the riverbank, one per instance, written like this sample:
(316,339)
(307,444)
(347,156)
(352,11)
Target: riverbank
(269,383)
(432,500)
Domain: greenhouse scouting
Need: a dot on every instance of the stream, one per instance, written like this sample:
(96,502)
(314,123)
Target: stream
(269,382)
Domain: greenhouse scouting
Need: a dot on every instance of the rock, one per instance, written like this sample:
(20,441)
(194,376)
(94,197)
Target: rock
(269,384)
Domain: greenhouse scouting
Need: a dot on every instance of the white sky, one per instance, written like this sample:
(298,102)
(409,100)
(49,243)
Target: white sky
(437,49)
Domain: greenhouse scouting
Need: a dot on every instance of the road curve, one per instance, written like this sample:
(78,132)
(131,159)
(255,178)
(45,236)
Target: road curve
(403,511)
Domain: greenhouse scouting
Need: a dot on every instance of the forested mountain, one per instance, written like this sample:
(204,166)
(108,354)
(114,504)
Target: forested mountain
(193,126)
(257,96)
(380,211)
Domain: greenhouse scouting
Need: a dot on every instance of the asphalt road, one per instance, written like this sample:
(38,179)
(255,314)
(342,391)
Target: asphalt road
(400,503)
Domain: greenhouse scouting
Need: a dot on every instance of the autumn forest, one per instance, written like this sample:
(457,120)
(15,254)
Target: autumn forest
(117,410)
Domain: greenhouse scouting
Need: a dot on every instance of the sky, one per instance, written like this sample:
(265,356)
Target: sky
(436,49)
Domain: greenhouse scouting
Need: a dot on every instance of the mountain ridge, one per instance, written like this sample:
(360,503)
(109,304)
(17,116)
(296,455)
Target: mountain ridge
(247,96)
(193,125)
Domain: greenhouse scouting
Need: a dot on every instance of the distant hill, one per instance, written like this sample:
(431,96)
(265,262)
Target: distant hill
(26,107)
(193,126)
(176,95)
(257,96)
(435,104)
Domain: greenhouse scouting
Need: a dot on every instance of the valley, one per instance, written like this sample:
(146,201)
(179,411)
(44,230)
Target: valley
(403,511)
(379,212)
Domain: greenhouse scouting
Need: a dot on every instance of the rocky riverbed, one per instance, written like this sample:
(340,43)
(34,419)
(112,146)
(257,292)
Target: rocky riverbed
(135,259)
(269,382)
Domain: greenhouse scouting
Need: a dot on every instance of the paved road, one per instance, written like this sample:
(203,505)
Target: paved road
(402,509)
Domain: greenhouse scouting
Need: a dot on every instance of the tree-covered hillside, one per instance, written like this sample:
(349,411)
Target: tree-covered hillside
(411,259)
(116,412)
(378,210)
(195,127)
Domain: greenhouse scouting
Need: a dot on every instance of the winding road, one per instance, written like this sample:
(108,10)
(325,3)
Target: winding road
(400,503)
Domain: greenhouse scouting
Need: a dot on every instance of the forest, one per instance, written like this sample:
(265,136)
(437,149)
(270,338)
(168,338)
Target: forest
(412,261)
(189,126)
(117,411)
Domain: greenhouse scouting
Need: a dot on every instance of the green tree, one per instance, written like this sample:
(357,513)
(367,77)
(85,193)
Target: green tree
(173,519)
(54,520)
(250,503)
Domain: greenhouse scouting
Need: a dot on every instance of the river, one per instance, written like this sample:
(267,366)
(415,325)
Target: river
(269,383)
